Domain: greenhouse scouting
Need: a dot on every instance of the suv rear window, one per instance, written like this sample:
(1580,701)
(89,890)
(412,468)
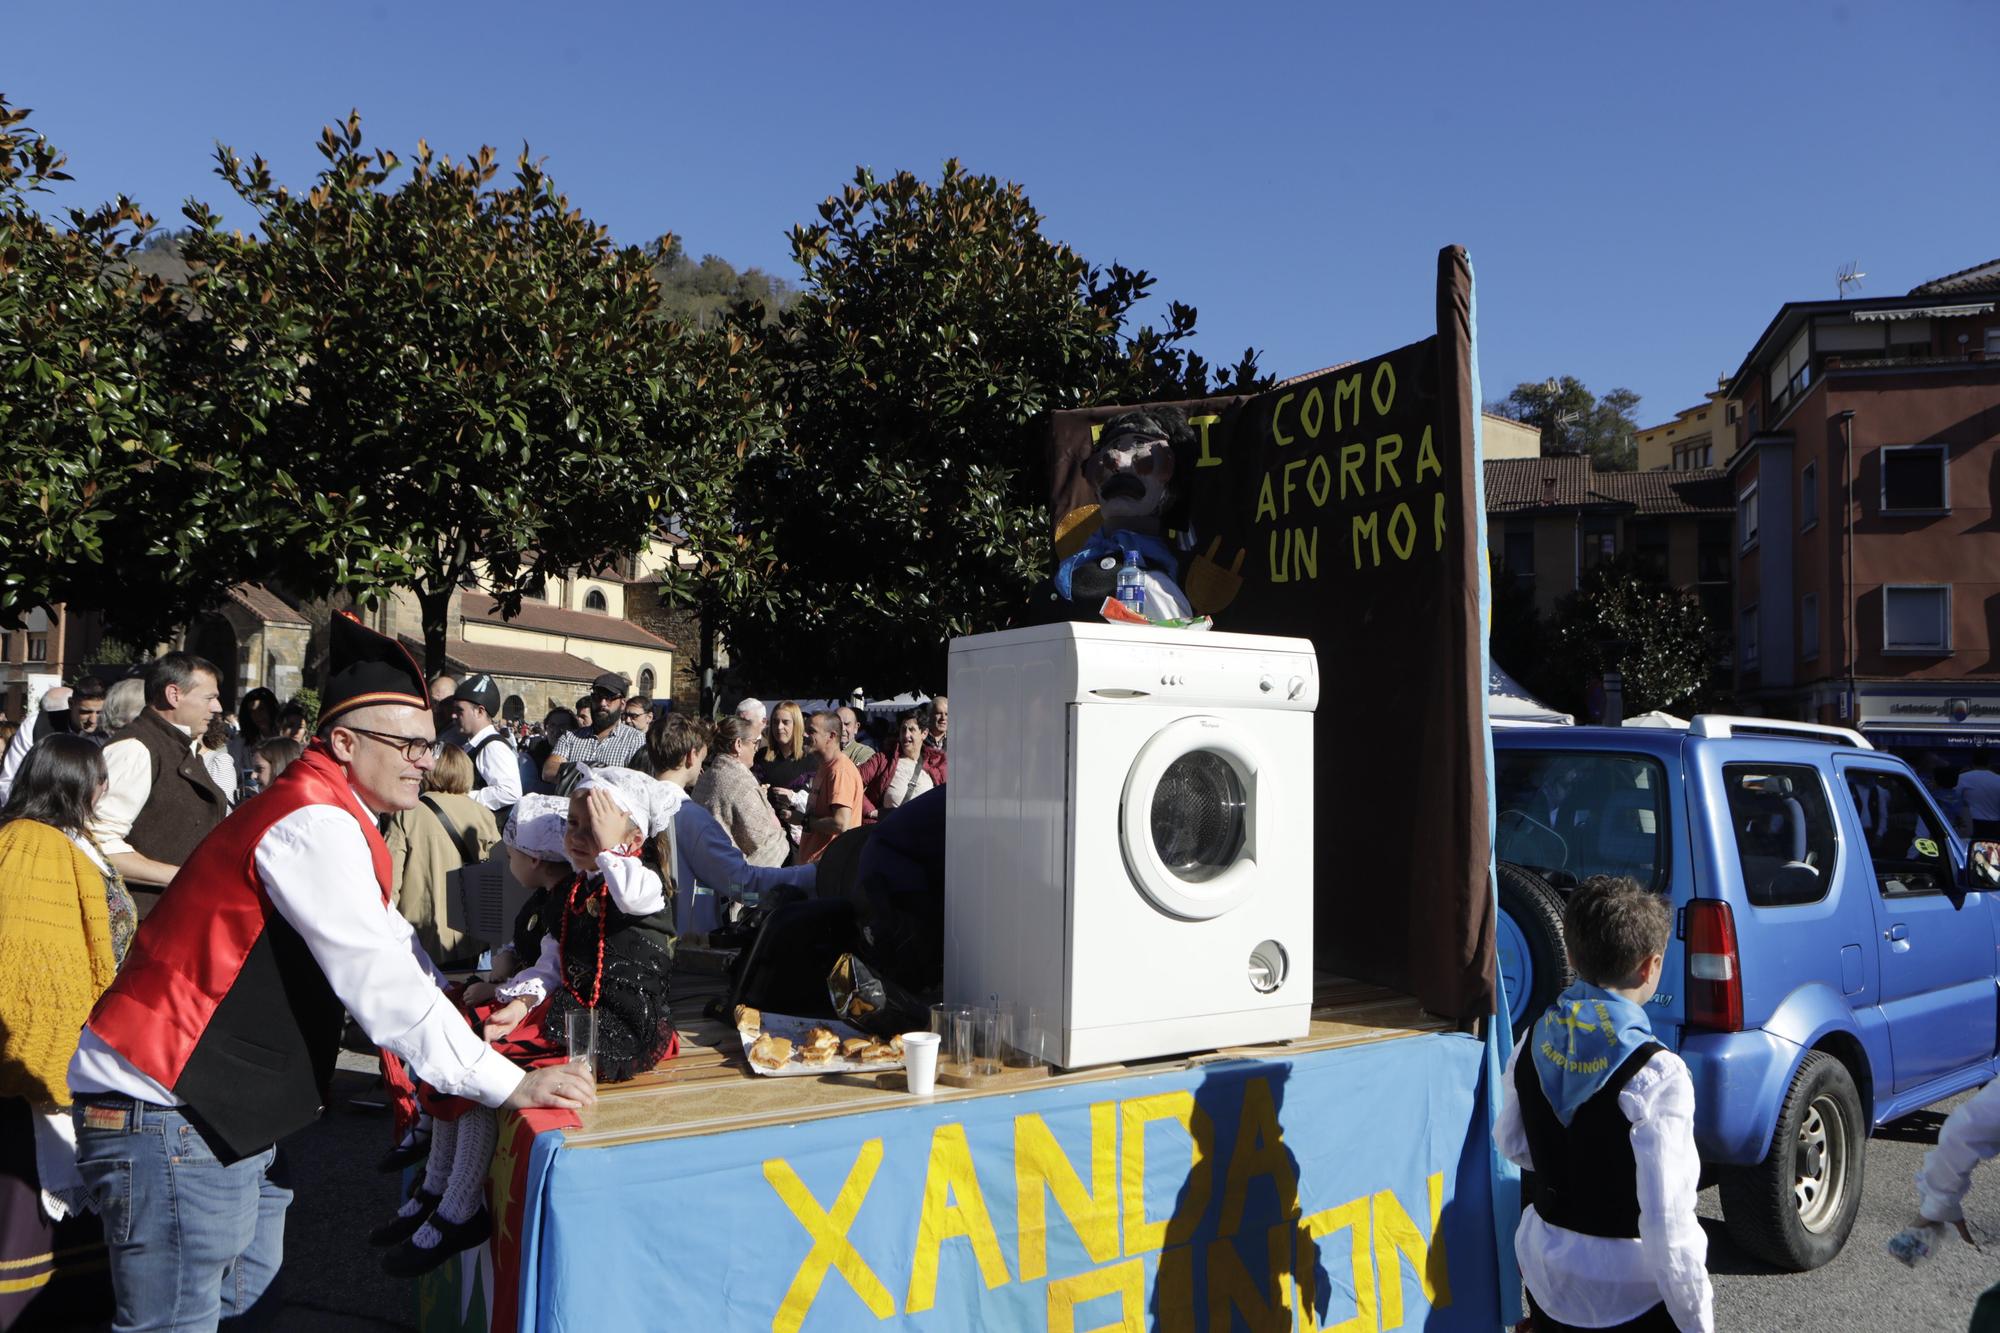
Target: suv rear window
(1785,838)
(1568,816)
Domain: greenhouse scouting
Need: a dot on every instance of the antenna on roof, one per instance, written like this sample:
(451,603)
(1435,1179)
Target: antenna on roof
(1847,276)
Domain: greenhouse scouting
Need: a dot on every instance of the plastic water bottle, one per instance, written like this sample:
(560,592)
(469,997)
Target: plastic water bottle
(1132,584)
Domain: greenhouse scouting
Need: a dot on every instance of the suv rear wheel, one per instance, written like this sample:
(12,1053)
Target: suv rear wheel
(1534,965)
(1794,1209)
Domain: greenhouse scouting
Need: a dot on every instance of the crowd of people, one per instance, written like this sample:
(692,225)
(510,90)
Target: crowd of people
(159,1044)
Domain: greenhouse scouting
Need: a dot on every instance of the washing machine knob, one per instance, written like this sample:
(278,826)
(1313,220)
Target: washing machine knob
(1267,685)
(1295,687)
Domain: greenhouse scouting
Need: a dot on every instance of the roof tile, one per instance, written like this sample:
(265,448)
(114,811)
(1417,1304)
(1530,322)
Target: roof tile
(546,619)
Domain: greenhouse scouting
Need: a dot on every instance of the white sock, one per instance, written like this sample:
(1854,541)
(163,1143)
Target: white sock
(437,1167)
(471,1159)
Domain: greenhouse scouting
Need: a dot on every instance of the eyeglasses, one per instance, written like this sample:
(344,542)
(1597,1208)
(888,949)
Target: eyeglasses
(413,747)
(639,715)
(1143,457)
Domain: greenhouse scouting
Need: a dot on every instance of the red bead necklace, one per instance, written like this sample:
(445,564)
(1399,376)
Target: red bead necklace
(572,908)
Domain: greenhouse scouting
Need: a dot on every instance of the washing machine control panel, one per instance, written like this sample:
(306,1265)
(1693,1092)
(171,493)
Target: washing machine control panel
(1196,673)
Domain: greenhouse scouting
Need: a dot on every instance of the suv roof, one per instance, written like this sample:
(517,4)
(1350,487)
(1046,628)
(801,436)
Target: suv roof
(1660,742)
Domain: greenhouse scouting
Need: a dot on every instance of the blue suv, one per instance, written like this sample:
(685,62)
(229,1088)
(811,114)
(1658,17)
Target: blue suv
(1834,959)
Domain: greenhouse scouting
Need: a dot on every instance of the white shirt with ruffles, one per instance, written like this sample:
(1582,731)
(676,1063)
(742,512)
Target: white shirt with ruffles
(1598,1281)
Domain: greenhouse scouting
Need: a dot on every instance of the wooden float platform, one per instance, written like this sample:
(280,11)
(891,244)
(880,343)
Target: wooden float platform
(710,1089)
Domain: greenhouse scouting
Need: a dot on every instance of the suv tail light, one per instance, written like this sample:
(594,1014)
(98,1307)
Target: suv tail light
(1714,973)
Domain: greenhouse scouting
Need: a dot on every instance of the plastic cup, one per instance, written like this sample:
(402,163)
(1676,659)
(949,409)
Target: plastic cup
(920,1061)
(582,1026)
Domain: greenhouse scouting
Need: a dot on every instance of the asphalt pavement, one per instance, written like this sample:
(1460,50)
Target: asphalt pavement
(1864,1290)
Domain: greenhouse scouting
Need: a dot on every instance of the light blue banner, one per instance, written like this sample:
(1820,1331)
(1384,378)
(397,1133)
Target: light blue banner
(1340,1190)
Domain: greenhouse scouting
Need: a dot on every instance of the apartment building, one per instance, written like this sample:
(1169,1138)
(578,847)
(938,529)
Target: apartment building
(1867,555)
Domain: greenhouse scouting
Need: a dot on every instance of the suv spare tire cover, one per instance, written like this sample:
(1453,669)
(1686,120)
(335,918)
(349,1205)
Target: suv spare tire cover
(1532,911)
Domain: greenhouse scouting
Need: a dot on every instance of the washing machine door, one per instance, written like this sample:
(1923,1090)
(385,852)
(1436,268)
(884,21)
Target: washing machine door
(1189,820)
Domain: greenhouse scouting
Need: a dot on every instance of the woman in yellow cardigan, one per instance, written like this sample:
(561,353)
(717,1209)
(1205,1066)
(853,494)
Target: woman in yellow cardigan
(65,922)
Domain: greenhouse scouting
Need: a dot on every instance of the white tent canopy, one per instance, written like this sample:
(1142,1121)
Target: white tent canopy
(1509,705)
(1656,718)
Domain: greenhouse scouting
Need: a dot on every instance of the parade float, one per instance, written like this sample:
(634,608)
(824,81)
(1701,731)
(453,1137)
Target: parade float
(1262,945)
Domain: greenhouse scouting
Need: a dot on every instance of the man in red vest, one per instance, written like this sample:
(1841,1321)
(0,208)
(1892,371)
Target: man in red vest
(219,1036)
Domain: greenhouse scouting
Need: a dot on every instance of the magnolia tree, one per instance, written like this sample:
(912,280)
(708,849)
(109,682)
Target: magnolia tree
(445,373)
(1623,617)
(934,330)
(120,482)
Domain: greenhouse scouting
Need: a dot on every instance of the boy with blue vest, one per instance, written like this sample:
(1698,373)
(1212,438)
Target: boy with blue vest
(1604,1117)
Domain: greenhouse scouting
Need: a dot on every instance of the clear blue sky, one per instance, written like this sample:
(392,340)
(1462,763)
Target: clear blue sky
(1640,185)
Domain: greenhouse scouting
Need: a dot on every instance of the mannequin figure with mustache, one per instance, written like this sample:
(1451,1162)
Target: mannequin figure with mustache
(1137,470)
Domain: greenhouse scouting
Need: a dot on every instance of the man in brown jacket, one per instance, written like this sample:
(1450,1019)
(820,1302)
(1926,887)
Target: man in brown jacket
(159,801)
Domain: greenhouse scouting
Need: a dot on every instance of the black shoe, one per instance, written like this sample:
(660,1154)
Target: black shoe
(407,1153)
(412,1260)
(401,1228)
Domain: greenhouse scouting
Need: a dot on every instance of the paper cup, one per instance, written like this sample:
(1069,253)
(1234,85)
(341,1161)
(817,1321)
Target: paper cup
(920,1056)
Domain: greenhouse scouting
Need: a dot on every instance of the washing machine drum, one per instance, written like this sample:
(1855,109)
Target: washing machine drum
(1189,819)
(1200,815)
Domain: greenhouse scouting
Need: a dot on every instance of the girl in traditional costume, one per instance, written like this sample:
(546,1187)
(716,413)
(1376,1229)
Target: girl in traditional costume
(608,947)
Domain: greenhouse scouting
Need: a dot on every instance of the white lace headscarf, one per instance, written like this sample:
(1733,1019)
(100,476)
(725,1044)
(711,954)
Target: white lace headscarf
(535,828)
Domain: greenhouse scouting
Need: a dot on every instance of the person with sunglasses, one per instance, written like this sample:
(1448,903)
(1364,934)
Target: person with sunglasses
(219,1036)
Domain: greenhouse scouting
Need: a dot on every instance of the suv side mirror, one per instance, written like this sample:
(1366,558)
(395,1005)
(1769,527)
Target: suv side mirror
(1981,872)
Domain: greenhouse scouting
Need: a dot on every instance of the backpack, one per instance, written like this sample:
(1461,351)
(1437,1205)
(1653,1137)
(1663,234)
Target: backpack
(479,782)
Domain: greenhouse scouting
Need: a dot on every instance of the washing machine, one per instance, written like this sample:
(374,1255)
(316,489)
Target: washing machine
(1130,836)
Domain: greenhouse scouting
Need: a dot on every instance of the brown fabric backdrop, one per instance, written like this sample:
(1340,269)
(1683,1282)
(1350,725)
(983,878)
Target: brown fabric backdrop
(1350,495)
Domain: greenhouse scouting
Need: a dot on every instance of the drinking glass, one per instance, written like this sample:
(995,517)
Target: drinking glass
(982,1043)
(1010,1037)
(1042,1043)
(582,1024)
(949,1022)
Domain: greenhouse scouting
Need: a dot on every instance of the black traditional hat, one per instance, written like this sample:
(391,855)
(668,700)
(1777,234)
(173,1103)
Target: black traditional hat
(365,668)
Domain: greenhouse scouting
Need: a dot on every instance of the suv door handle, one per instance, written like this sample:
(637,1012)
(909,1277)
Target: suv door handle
(1898,931)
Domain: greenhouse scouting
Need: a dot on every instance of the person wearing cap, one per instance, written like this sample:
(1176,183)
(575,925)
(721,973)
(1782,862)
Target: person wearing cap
(219,1036)
(605,740)
(496,782)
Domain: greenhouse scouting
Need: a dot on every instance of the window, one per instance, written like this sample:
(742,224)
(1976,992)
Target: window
(1791,374)
(1746,637)
(38,647)
(1993,342)
(1906,840)
(1649,543)
(646,679)
(1518,561)
(1809,497)
(1809,626)
(1785,843)
(1568,816)
(594,600)
(1916,618)
(1729,414)
(1746,516)
(1915,479)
